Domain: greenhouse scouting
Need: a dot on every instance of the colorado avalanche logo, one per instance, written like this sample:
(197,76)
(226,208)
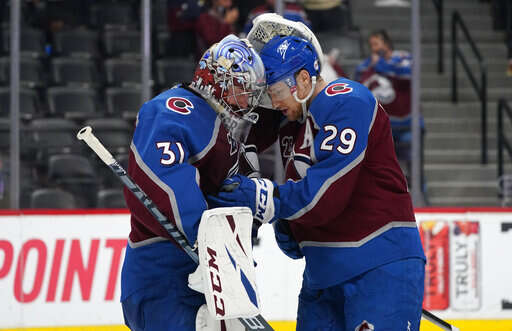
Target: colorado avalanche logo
(338,88)
(179,105)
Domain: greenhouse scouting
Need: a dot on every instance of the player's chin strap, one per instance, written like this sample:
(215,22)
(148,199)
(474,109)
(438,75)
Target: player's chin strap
(305,100)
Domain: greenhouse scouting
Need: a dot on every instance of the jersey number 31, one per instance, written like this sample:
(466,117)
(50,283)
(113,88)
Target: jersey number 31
(170,155)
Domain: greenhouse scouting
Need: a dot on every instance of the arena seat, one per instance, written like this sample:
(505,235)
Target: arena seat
(52,198)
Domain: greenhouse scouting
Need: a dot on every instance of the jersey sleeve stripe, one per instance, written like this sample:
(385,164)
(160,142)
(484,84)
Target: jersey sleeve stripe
(353,244)
(145,242)
(328,182)
(213,139)
(162,185)
(326,185)
(375,109)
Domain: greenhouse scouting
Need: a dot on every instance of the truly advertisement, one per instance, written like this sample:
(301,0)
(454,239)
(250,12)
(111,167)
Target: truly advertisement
(465,263)
(467,274)
(452,272)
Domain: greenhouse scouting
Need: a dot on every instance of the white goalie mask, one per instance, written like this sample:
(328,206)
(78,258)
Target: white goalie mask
(231,77)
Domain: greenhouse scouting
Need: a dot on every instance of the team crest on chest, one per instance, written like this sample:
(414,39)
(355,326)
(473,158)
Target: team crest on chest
(179,105)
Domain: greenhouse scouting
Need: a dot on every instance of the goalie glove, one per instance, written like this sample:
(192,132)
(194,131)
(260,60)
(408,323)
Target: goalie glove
(259,194)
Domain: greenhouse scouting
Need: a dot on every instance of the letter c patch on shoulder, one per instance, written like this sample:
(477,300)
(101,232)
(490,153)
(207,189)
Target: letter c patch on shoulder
(338,88)
(179,105)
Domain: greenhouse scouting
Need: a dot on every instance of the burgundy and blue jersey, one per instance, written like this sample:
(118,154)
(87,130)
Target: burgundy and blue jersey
(180,153)
(345,197)
(390,82)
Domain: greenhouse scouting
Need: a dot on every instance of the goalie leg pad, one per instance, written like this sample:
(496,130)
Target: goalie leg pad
(226,264)
(206,322)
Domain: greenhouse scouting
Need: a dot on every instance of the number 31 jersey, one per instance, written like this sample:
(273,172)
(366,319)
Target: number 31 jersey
(180,153)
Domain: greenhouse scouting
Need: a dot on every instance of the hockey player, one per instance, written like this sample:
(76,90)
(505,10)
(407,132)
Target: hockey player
(387,73)
(345,206)
(186,141)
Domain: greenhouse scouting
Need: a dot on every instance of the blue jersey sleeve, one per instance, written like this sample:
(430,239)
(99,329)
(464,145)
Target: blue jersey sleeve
(343,115)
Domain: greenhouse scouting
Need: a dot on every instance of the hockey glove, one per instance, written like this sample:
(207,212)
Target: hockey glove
(255,193)
(285,240)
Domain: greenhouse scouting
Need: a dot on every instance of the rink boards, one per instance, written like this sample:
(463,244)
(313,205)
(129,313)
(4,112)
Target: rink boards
(60,271)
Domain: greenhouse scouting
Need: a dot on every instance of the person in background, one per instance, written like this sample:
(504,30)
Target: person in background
(387,73)
(291,11)
(181,20)
(216,21)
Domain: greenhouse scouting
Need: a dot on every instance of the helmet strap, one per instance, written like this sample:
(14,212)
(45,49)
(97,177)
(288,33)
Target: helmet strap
(305,100)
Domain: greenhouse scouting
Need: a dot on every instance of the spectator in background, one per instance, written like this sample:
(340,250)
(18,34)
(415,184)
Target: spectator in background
(181,20)
(245,6)
(387,73)
(217,21)
(327,15)
(291,11)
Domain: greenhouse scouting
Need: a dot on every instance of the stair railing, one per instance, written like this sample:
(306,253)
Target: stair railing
(480,87)
(504,181)
(438,5)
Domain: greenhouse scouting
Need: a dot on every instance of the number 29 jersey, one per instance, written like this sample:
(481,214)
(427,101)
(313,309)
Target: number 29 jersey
(345,197)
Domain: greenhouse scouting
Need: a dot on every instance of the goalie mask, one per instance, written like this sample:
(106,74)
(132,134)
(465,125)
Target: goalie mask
(231,77)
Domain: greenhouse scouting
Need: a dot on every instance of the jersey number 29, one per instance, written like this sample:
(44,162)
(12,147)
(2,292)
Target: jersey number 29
(347,139)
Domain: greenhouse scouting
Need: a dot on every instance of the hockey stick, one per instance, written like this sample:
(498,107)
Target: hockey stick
(437,321)
(85,134)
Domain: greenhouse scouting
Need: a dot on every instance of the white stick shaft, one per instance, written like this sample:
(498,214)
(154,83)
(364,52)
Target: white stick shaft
(90,139)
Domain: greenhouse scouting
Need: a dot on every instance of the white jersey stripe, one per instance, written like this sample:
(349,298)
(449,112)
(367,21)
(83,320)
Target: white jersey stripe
(201,154)
(162,185)
(362,241)
(336,176)
(146,242)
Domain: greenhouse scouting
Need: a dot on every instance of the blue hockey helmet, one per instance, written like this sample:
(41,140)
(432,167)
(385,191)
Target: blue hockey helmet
(283,57)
